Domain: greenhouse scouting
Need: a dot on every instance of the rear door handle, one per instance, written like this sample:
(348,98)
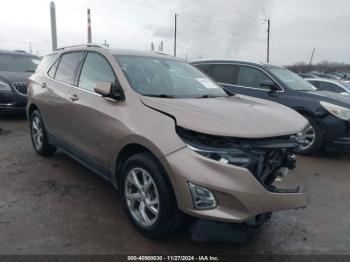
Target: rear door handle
(73,97)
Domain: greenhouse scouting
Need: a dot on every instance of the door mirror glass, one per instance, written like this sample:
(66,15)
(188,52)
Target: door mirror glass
(103,88)
(269,84)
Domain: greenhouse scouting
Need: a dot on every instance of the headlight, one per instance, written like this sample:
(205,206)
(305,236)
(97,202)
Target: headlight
(231,156)
(4,87)
(338,111)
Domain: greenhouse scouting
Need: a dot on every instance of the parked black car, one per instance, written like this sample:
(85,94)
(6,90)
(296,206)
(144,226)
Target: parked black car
(15,69)
(327,112)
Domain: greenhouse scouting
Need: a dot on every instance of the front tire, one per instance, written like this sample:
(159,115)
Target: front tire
(313,134)
(39,135)
(148,198)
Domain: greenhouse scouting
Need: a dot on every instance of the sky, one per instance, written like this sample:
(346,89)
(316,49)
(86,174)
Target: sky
(234,29)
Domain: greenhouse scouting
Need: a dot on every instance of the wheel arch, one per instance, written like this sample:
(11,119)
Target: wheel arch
(131,149)
(31,109)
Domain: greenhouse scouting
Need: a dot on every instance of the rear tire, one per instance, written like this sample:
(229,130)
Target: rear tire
(317,143)
(39,135)
(163,216)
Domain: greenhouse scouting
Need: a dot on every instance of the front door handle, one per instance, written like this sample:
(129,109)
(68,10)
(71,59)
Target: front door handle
(73,97)
(43,85)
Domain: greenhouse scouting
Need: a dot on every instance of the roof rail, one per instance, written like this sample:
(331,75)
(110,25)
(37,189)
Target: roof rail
(82,45)
(160,53)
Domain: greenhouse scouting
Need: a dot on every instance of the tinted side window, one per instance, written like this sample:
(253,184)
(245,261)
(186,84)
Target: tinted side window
(251,77)
(95,69)
(203,68)
(315,84)
(224,74)
(53,69)
(68,66)
(46,62)
(330,87)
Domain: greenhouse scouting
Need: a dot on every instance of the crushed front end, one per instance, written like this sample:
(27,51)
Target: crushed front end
(234,179)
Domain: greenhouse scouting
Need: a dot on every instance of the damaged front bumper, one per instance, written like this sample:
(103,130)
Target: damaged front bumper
(241,192)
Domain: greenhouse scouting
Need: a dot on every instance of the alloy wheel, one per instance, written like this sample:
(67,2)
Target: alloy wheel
(142,197)
(309,136)
(37,133)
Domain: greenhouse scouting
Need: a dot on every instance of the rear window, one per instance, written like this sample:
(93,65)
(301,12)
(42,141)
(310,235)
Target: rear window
(18,63)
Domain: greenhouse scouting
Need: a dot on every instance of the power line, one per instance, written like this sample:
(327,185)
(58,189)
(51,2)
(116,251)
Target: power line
(220,33)
(212,19)
(184,13)
(217,34)
(221,8)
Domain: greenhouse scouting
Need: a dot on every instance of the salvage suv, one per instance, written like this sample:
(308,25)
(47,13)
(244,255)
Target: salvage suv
(169,138)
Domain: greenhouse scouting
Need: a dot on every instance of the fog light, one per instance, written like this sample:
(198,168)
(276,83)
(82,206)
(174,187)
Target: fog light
(202,198)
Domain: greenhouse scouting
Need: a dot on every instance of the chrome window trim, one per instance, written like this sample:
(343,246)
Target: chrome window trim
(239,64)
(87,91)
(58,81)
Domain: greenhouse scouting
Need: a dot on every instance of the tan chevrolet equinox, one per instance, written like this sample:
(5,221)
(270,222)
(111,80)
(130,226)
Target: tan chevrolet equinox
(172,141)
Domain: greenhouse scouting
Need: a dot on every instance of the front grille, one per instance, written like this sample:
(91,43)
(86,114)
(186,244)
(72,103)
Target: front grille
(21,87)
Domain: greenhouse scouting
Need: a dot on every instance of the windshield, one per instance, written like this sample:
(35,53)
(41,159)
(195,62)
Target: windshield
(162,77)
(18,63)
(291,80)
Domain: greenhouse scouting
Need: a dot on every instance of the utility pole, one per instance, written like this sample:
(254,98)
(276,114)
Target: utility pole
(30,47)
(268,40)
(175,35)
(53,26)
(312,56)
(152,47)
(89,26)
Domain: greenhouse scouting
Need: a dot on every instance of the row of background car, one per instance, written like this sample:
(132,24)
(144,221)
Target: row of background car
(329,120)
(337,82)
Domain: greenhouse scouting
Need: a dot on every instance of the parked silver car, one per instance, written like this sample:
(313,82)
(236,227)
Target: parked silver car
(336,86)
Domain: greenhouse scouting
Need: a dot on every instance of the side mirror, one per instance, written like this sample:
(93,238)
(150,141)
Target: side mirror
(269,84)
(103,88)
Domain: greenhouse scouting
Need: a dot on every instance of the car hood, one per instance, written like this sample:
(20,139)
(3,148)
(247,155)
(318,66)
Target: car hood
(237,116)
(330,97)
(10,77)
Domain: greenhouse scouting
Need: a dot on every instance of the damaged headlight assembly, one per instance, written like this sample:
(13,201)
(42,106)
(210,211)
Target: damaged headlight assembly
(267,159)
(231,156)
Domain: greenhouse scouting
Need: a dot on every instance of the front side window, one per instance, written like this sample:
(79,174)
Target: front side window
(163,77)
(95,69)
(291,80)
(251,77)
(18,63)
(224,74)
(67,67)
(315,83)
(204,68)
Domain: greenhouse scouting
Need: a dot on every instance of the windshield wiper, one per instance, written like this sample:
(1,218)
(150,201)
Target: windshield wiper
(212,96)
(30,71)
(207,96)
(161,96)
